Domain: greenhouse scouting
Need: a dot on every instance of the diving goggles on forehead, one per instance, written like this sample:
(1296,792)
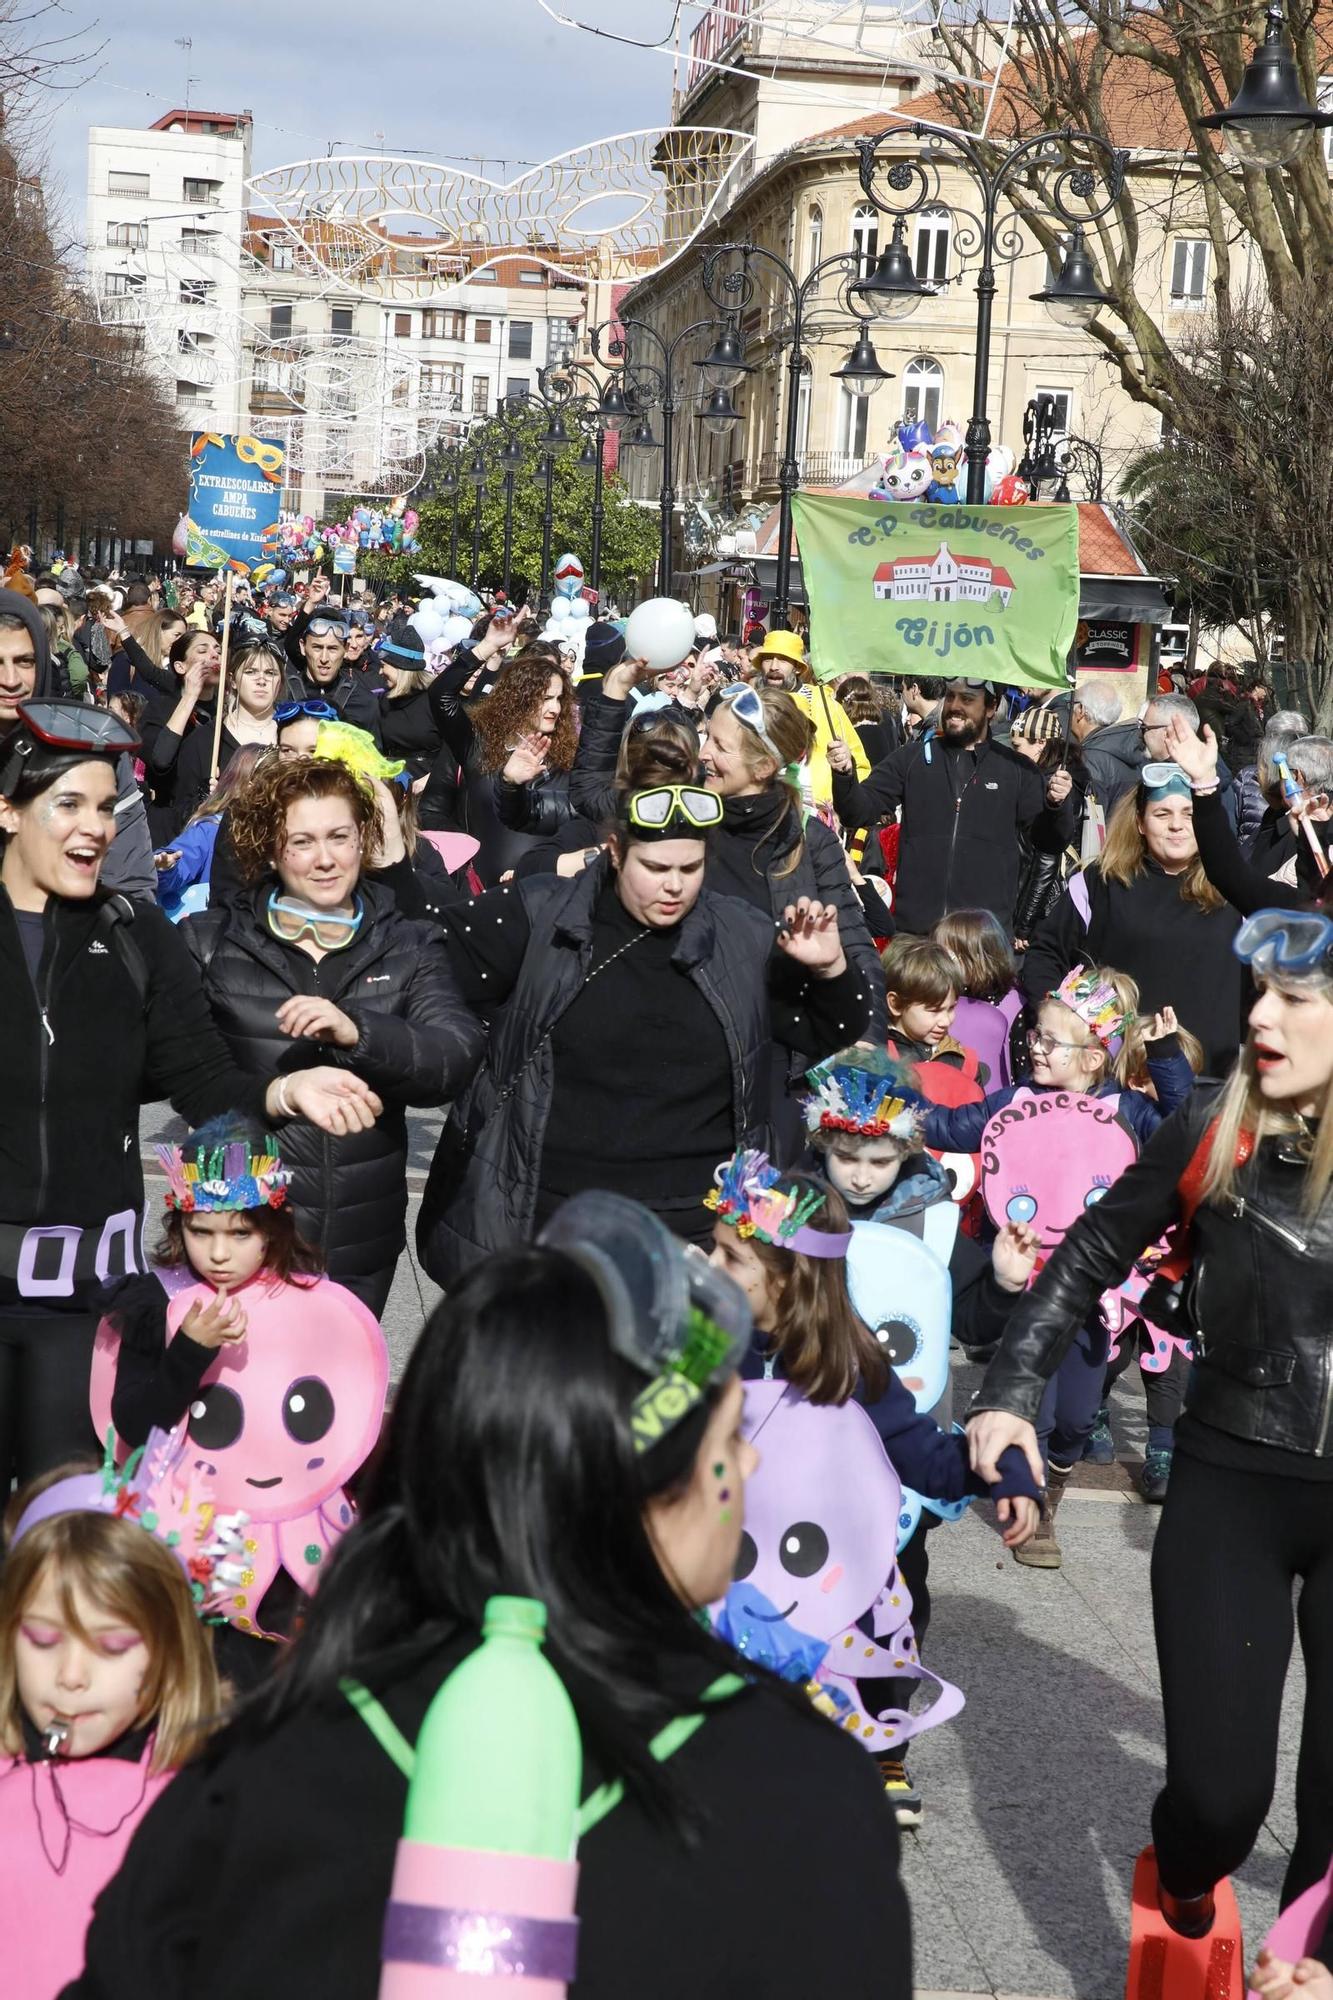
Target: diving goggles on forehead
(747,707)
(1292,942)
(654,809)
(325,627)
(318,711)
(1160,778)
(47,729)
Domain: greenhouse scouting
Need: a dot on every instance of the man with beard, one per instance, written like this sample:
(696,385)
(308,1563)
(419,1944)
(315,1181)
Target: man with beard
(781,664)
(965,799)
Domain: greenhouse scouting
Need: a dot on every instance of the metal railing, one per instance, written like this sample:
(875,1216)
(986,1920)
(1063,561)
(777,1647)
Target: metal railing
(818,468)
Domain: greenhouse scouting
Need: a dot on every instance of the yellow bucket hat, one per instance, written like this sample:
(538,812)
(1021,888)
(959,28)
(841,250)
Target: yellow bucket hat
(787,646)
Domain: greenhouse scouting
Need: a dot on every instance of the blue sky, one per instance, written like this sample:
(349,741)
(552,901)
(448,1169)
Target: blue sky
(454,80)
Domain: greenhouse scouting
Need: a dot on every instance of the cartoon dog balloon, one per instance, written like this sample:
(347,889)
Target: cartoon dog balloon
(282,1420)
(819,1545)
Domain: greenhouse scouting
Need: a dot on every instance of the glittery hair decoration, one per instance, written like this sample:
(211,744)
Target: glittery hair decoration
(230,1175)
(1097,1006)
(872,1104)
(748,1198)
(162,1489)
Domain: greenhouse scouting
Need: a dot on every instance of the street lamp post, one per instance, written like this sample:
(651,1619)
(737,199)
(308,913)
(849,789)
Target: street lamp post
(511,462)
(448,489)
(645,386)
(1073,296)
(558,386)
(728,280)
(476,479)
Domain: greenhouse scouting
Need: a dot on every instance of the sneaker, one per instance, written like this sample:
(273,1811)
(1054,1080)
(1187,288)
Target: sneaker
(1155,1475)
(901,1792)
(1100,1447)
(1043,1551)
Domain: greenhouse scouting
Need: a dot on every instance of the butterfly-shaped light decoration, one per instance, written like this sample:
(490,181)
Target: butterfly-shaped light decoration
(416,231)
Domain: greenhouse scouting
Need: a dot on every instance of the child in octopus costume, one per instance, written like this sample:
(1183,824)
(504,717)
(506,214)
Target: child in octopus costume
(784,1239)
(1051,1148)
(109,1684)
(281,1373)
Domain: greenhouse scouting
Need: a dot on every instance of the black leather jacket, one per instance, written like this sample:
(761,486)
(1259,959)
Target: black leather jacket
(1260,1295)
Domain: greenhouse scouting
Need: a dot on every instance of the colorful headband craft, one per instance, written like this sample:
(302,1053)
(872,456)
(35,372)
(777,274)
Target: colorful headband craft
(1097,1006)
(230,1176)
(748,1198)
(163,1489)
(848,1096)
(356,750)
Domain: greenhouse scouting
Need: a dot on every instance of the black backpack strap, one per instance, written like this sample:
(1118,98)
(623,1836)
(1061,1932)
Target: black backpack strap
(115,921)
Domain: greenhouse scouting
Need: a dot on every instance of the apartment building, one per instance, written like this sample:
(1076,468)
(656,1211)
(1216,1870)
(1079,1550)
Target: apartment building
(164,221)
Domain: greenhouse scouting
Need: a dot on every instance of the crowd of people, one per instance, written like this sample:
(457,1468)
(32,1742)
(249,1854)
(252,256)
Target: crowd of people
(796,1040)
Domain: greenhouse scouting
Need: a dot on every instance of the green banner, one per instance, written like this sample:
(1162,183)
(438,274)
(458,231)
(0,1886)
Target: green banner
(986,592)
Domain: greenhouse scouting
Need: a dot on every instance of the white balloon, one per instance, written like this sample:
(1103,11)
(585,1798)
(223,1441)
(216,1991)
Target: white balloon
(660,632)
(456,629)
(559,610)
(578,608)
(427,621)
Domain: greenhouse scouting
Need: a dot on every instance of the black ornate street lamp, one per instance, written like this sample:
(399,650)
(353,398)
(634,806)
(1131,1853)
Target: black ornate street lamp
(1084,167)
(448,489)
(731,275)
(559,386)
(476,479)
(1269,120)
(511,462)
(652,384)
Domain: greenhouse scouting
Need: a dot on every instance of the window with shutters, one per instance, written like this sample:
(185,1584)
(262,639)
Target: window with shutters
(520,339)
(1190,259)
(930,250)
(127,235)
(436,324)
(279,322)
(923,391)
(402,326)
(1062,409)
(131,184)
(481,395)
(481,331)
(341,323)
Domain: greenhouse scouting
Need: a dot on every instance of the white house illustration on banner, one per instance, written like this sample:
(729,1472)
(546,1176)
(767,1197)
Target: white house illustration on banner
(943,578)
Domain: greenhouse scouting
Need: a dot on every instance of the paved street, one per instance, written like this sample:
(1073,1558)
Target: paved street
(1037,1797)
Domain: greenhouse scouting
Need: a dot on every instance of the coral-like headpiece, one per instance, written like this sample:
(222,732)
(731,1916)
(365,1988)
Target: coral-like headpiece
(1097,1006)
(873,1100)
(748,1198)
(161,1488)
(226,1174)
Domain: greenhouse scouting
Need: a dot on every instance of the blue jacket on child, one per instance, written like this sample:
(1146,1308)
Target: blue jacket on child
(958,1128)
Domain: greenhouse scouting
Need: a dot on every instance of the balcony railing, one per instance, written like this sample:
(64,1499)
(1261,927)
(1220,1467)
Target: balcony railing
(818,468)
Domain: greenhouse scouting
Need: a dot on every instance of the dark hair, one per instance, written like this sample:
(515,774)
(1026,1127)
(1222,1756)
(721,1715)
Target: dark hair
(137,597)
(513,705)
(509,1458)
(287,1255)
(926,685)
(182,642)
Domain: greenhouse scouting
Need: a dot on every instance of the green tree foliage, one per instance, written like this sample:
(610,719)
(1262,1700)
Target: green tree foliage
(629,533)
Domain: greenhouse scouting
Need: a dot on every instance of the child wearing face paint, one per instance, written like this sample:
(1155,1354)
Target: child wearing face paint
(783,1238)
(280,1373)
(1088,1041)
(107,1686)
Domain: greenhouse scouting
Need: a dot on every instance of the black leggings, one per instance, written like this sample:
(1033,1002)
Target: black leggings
(1228,1548)
(45,1364)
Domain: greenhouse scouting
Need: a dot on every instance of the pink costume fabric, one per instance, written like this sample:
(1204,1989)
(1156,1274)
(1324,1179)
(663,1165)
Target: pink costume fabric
(283,1421)
(64,1829)
(821,1520)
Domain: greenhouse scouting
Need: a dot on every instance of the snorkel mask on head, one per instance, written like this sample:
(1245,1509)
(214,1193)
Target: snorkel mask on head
(680,1323)
(1287,945)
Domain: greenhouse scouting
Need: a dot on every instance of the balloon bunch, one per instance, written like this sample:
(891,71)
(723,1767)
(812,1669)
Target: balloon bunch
(390,532)
(444,618)
(567,621)
(933,465)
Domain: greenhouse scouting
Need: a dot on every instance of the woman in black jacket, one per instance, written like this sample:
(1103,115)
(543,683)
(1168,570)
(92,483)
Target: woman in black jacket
(194,661)
(510,1456)
(317,955)
(103,1012)
(1042,880)
(408,729)
(1248,1167)
(254,683)
(1147,907)
(633,1017)
(514,749)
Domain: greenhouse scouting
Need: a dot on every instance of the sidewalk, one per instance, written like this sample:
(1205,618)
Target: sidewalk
(1037,1798)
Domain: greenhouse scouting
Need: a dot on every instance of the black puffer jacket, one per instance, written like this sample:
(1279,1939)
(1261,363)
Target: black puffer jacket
(418,1044)
(1261,1292)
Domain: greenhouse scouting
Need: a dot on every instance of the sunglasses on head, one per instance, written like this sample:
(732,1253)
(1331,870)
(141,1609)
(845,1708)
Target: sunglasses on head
(654,809)
(747,706)
(319,711)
